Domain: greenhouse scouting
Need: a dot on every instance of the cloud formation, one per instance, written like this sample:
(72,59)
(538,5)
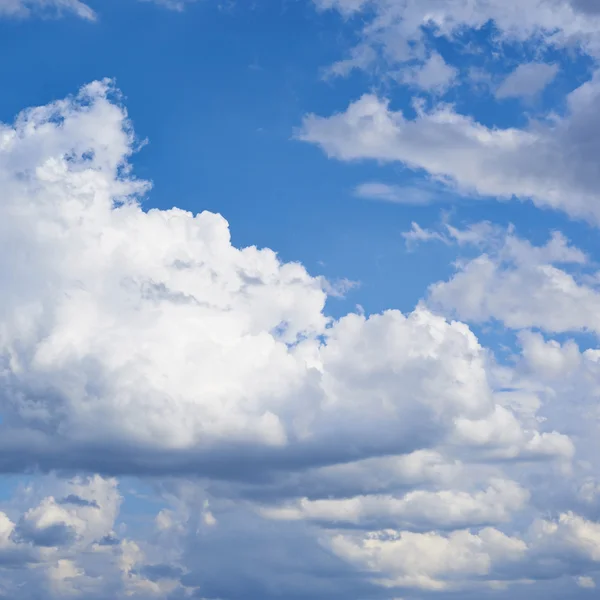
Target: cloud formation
(364,453)
(549,163)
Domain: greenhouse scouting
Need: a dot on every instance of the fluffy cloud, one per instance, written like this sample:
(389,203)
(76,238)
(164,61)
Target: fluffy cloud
(65,545)
(434,75)
(549,163)
(522,285)
(420,509)
(428,560)
(397,26)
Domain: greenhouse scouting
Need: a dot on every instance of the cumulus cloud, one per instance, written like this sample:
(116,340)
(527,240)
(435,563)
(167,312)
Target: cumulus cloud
(59,550)
(145,343)
(523,286)
(148,332)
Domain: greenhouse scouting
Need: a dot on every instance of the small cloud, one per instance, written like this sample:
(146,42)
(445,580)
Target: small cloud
(417,234)
(585,582)
(338,288)
(434,75)
(396,194)
(362,57)
(527,80)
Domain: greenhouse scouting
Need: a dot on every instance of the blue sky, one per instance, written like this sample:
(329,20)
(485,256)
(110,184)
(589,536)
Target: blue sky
(300,299)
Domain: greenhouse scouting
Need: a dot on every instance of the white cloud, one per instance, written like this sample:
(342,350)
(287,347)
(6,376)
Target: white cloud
(522,286)
(397,194)
(361,57)
(527,80)
(149,336)
(434,75)
(145,343)
(418,509)
(26,8)
(550,164)
(554,548)
(428,560)
(177,5)
(84,514)
(393,24)
(23,8)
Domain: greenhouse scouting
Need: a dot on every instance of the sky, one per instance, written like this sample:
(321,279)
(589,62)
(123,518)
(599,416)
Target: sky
(300,299)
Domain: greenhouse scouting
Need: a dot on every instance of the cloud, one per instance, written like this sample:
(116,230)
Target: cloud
(522,286)
(395,193)
(144,342)
(177,5)
(323,457)
(428,560)
(54,8)
(548,163)
(434,75)
(397,27)
(55,550)
(527,80)
(24,8)
(418,509)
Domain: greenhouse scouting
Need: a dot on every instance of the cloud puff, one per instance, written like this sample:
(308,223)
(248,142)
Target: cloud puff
(523,286)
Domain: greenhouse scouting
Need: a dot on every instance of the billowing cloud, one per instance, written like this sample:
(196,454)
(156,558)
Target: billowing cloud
(327,456)
(140,341)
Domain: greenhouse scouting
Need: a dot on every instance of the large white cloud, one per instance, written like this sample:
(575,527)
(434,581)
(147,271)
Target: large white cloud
(24,8)
(148,331)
